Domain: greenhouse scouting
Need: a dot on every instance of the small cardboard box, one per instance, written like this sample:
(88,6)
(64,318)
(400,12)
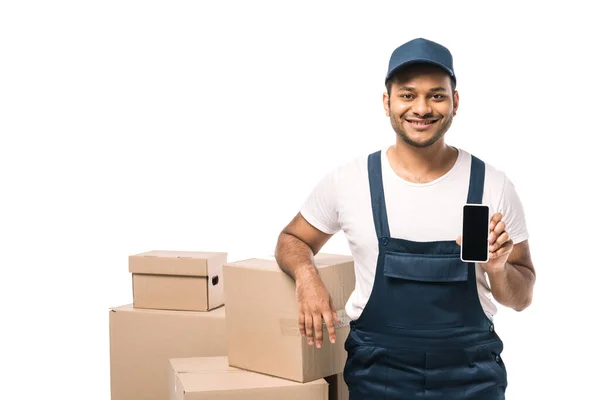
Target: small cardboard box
(212,378)
(177,280)
(262,319)
(142,342)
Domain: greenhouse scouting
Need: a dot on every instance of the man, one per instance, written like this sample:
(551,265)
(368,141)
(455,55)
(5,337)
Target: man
(421,319)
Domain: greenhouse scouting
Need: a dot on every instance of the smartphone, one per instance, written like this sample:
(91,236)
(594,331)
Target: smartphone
(475,233)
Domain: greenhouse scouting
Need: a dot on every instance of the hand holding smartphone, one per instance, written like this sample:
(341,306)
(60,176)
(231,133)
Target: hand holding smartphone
(475,233)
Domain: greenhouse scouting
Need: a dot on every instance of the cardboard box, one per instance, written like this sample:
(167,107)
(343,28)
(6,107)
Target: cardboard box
(177,280)
(212,378)
(262,319)
(142,342)
(338,390)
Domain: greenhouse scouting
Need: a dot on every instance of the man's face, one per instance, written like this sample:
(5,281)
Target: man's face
(421,105)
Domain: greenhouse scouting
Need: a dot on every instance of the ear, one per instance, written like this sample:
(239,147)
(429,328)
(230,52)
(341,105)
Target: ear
(386,103)
(456,98)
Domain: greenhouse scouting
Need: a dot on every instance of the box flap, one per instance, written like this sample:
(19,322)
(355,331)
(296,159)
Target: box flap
(325,260)
(218,313)
(322,260)
(200,364)
(206,374)
(167,262)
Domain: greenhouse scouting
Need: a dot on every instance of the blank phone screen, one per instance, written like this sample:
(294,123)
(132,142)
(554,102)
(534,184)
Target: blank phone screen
(475,233)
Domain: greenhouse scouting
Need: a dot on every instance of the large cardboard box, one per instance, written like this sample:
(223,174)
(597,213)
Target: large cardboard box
(212,378)
(262,319)
(142,342)
(338,390)
(177,280)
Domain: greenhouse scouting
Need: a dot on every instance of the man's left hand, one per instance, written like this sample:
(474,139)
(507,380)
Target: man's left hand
(500,247)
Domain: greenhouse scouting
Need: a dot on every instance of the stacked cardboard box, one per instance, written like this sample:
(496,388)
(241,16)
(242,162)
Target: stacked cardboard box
(177,280)
(214,378)
(202,328)
(177,311)
(262,319)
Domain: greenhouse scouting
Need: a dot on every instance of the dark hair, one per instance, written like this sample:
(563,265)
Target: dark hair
(394,78)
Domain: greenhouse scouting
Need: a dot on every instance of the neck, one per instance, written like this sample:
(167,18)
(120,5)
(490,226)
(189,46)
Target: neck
(421,164)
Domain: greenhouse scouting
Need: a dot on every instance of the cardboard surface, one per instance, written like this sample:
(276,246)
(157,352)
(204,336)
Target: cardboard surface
(173,262)
(338,390)
(177,280)
(262,319)
(213,378)
(142,342)
(165,292)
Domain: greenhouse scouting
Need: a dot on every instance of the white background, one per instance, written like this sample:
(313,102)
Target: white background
(135,125)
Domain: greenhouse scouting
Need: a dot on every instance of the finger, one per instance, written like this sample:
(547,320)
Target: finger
(318,327)
(495,219)
(499,228)
(336,319)
(503,238)
(459,240)
(503,250)
(328,317)
(497,231)
(301,324)
(309,328)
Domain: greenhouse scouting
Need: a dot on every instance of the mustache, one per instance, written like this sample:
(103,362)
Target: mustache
(427,117)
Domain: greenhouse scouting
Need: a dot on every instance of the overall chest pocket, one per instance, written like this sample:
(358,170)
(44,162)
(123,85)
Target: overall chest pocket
(425,291)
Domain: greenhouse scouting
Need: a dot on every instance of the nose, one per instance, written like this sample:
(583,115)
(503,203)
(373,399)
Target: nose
(421,106)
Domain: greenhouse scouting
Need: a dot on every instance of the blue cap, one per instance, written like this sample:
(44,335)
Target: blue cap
(421,51)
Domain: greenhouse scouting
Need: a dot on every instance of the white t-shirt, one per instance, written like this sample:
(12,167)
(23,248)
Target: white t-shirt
(418,212)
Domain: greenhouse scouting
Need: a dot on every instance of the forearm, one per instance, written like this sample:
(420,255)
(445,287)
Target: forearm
(513,286)
(294,256)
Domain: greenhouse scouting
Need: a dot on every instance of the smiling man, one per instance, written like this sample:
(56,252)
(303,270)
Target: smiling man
(418,329)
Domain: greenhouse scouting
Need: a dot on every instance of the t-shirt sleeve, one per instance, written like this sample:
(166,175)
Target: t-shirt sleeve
(513,213)
(320,208)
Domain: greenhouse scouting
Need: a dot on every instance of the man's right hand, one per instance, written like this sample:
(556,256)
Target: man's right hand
(314,306)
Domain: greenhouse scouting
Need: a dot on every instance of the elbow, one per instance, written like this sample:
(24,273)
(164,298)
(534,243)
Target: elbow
(278,241)
(524,304)
(526,297)
(279,245)
(281,238)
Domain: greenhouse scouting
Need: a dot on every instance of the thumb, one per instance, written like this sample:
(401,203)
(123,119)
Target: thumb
(459,240)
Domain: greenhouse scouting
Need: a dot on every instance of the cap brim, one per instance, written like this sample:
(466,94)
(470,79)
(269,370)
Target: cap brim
(419,61)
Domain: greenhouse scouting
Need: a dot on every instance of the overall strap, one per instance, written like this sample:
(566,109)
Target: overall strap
(476,181)
(377,196)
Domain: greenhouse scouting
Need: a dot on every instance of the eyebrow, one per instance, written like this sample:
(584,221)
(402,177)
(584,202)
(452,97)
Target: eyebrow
(412,89)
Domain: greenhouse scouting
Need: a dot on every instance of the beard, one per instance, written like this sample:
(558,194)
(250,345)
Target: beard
(444,125)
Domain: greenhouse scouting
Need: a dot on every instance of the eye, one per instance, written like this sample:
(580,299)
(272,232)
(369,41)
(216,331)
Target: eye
(406,96)
(438,97)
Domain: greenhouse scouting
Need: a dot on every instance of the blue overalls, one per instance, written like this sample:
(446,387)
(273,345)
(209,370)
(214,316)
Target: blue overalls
(423,333)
